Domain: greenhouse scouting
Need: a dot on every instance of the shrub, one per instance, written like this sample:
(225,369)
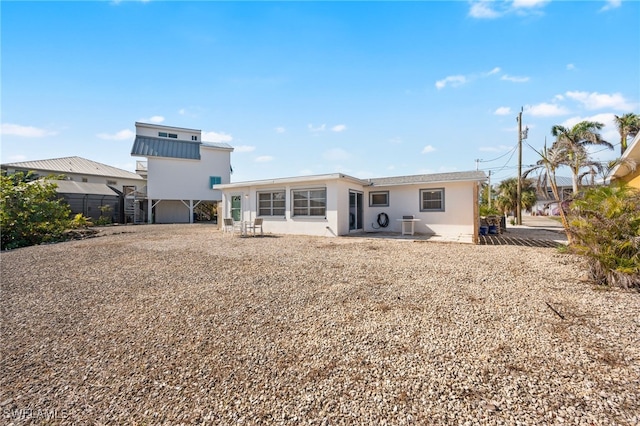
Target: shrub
(105,218)
(605,225)
(80,221)
(30,212)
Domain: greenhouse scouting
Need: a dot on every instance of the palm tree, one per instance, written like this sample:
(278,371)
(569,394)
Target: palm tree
(608,167)
(507,199)
(550,160)
(573,142)
(628,126)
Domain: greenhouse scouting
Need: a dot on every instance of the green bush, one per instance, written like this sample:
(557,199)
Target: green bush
(605,225)
(80,221)
(486,211)
(105,218)
(30,211)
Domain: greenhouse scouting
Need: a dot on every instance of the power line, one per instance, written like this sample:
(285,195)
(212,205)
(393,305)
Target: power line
(497,158)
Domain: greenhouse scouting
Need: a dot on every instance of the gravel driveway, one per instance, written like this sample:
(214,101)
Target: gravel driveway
(170,324)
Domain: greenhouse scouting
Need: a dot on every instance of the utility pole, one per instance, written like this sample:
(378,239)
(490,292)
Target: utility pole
(519,200)
(489,190)
(478,160)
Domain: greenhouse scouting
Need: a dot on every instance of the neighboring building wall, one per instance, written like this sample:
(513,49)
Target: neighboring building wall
(182,179)
(115,182)
(173,179)
(171,211)
(633,179)
(154,130)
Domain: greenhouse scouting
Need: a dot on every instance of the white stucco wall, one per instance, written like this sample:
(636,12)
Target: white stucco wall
(180,179)
(152,130)
(288,224)
(456,219)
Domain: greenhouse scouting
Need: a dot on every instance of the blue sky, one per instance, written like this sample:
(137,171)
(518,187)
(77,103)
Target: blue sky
(368,89)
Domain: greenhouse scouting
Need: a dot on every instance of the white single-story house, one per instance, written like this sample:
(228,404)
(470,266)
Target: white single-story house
(181,170)
(443,204)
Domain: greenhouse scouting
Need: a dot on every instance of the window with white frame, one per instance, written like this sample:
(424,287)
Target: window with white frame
(379,199)
(271,203)
(310,202)
(432,200)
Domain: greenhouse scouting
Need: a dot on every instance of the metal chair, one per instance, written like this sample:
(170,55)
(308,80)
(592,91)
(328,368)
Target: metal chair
(229,226)
(256,224)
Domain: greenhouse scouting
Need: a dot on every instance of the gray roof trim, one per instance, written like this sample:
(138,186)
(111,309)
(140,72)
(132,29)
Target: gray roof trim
(77,165)
(71,187)
(145,146)
(430,178)
(218,145)
(160,127)
(292,180)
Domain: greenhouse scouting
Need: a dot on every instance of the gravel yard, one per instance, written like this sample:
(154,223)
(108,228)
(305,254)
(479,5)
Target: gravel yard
(171,324)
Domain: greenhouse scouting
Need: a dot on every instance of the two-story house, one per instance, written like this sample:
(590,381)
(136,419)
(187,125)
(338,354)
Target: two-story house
(181,170)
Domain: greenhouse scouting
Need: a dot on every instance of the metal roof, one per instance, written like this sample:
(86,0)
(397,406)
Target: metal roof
(146,146)
(71,187)
(430,178)
(77,165)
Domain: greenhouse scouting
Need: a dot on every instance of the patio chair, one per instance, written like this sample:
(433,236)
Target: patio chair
(256,224)
(230,226)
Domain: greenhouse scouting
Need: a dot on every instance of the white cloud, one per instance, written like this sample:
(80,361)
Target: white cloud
(153,119)
(336,154)
(597,100)
(483,10)
(216,137)
(459,80)
(571,67)
(122,135)
(427,149)
(264,159)
(487,9)
(395,140)
(453,80)
(25,131)
(321,128)
(17,158)
(527,4)
(546,110)
(611,4)
(502,111)
(339,128)
(305,172)
(244,148)
(514,79)
(280,129)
